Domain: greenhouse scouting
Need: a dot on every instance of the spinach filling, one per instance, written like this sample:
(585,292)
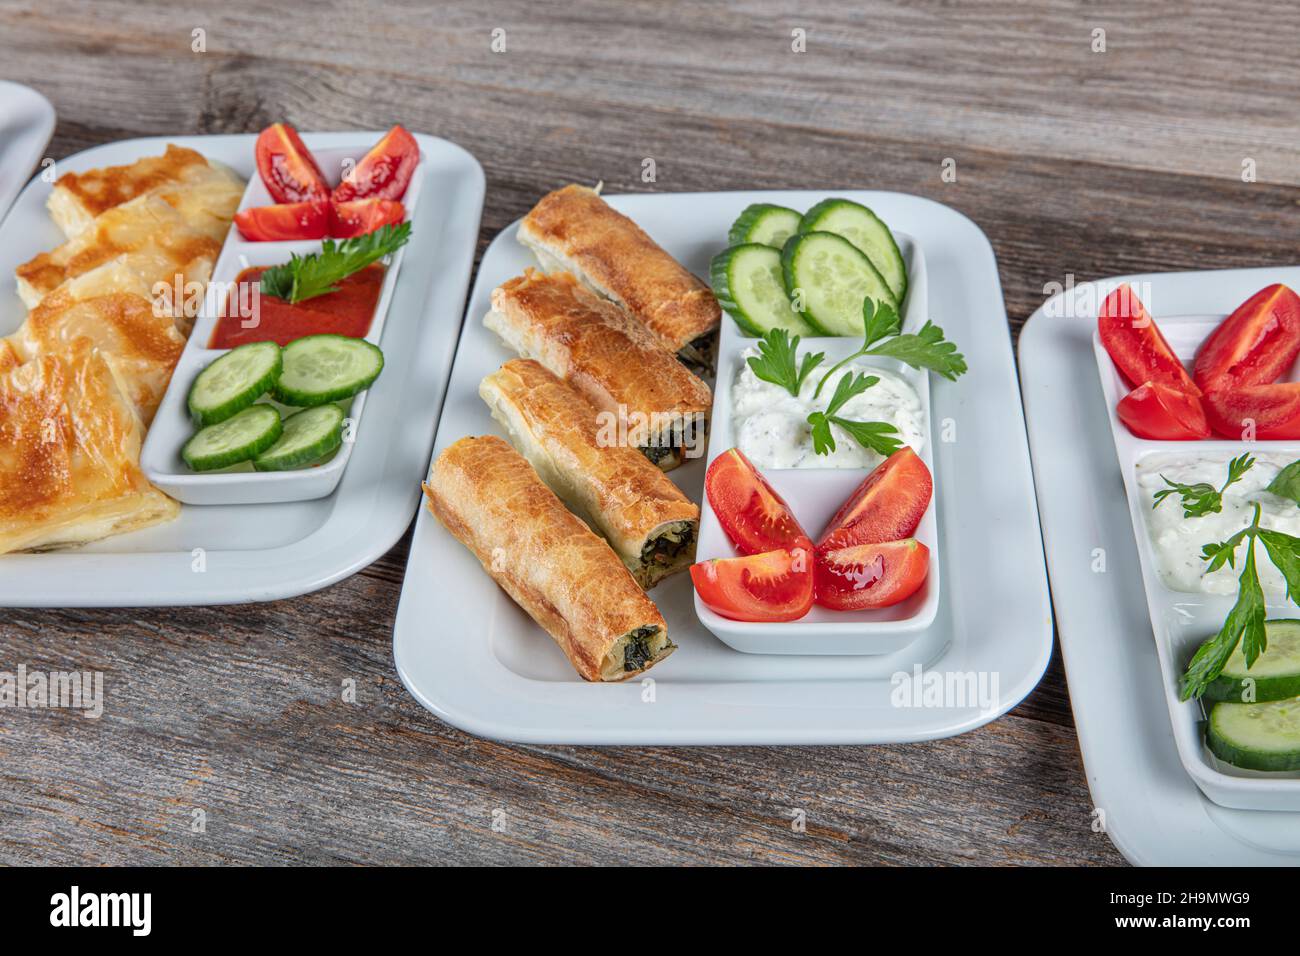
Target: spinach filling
(636,652)
(666,548)
(657,453)
(701,352)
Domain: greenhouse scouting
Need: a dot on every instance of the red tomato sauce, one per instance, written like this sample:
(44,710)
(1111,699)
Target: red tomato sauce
(252,316)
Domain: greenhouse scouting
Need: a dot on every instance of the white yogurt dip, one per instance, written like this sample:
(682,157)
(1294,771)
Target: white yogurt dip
(771,425)
(1176,542)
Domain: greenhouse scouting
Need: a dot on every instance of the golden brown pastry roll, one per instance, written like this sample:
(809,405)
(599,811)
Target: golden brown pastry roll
(574,230)
(650,400)
(548,561)
(645,518)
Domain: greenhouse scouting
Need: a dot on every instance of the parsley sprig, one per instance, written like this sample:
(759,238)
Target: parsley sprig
(305,277)
(1244,624)
(882,335)
(777,363)
(877,436)
(1203,498)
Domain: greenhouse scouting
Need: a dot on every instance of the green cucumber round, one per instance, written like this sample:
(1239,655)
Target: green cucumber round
(308,436)
(233,382)
(747,282)
(765,224)
(239,438)
(320,369)
(1256,736)
(862,227)
(1275,676)
(830,277)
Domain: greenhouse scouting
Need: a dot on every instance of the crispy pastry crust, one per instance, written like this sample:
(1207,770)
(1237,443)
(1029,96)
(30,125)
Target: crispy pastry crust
(601,351)
(580,232)
(69,453)
(149,233)
(141,347)
(549,562)
(77,198)
(614,487)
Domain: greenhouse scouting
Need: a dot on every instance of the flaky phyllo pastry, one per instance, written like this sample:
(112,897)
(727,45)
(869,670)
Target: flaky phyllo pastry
(574,230)
(608,357)
(546,559)
(645,518)
(140,346)
(69,456)
(82,377)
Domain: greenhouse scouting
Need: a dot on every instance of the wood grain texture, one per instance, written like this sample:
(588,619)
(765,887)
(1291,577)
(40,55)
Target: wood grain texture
(1073,162)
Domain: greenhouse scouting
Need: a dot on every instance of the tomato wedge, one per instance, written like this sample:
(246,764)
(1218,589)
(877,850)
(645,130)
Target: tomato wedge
(1254,345)
(384,172)
(773,586)
(284,221)
(348,219)
(1261,412)
(288,167)
(753,515)
(870,575)
(1162,413)
(887,506)
(1135,344)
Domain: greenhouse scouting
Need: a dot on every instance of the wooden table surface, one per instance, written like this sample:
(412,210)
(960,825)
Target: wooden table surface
(1073,160)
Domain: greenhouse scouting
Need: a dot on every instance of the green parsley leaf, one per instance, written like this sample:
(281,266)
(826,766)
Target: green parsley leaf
(777,361)
(1203,498)
(926,349)
(874,435)
(882,329)
(1284,551)
(305,277)
(1287,482)
(1244,624)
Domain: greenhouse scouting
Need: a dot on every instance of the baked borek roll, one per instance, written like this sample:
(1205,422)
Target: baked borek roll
(548,561)
(645,518)
(574,230)
(650,400)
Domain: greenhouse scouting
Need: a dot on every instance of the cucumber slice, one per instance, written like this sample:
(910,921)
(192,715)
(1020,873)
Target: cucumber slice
(308,436)
(239,438)
(1256,736)
(233,382)
(320,369)
(766,224)
(832,276)
(1275,676)
(747,281)
(862,227)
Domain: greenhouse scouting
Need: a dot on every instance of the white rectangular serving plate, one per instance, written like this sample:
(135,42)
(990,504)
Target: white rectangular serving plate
(1182,621)
(238,553)
(471,656)
(814,494)
(1145,800)
(160,457)
(26,125)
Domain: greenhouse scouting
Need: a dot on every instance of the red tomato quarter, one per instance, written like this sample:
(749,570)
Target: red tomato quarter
(887,506)
(357,218)
(288,167)
(1263,412)
(1162,413)
(1135,344)
(296,220)
(1254,345)
(870,575)
(384,172)
(753,515)
(773,586)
